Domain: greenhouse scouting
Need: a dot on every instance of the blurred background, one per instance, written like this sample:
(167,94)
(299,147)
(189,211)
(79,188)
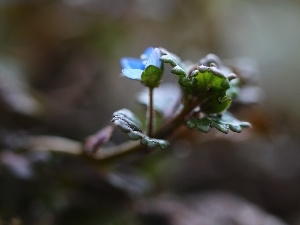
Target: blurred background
(60,76)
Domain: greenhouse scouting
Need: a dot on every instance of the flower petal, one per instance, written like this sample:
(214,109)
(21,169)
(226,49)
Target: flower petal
(134,74)
(132,63)
(147,53)
(154,58)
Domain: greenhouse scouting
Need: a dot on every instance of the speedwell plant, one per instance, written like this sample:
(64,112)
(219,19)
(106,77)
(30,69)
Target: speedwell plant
(201,99)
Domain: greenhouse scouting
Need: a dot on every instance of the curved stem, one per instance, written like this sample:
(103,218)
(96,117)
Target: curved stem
(115,152)
(118,151)
(176,121)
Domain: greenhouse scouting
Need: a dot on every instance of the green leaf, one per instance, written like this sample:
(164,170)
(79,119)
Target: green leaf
(127,121)
(169,57)
(206,81)
(234,89)
(151,76)
(174,61)
(215,104)
(130,124)
(212,60)
(223,123)
(153,142)
(177,70)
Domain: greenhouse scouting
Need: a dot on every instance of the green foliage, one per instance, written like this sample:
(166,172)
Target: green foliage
(205,82)
(216,104)
(207,87)
(175,62)
(168,57)
(234,89)
(178,71)
(127,121)
(130,124)
(223,123)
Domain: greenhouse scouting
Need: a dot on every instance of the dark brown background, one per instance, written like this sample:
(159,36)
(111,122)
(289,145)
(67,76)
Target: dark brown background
(60,75)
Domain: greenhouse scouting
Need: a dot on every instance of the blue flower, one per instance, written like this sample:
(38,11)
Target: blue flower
(134,67)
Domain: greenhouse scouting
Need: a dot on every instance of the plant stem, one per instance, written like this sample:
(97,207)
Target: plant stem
(167,129)
(115,152)
(119,151)
(150,113)
(176,121)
